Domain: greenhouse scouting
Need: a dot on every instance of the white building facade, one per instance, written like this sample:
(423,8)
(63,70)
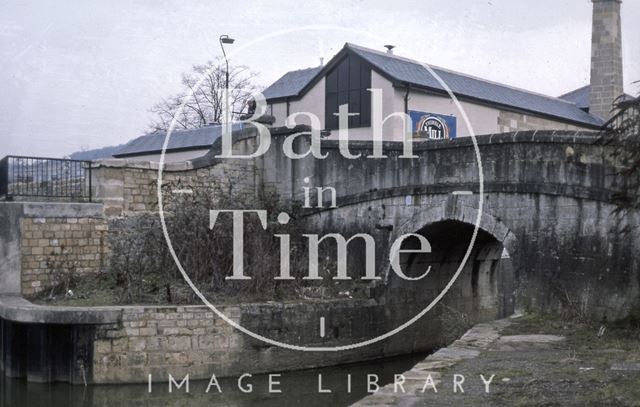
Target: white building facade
(408,87)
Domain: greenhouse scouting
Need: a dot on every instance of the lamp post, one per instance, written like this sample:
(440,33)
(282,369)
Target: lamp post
(225,39)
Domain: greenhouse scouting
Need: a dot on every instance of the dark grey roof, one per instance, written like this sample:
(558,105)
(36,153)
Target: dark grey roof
(96,154)
(180,140)
(581,97)
(408,71)
(291,83)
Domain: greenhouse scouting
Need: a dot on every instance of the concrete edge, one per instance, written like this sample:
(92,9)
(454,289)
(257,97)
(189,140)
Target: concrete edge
(469,346)
(18,309)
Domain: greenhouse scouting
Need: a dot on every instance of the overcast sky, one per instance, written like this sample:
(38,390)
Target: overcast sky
(83,74)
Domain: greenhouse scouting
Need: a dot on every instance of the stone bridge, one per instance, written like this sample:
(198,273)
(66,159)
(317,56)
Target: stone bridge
(547,239)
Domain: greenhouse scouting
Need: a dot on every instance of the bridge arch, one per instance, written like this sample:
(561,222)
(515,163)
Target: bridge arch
(464,212)
(485,287)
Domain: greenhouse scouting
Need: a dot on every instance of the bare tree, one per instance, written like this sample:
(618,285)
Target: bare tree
(203,96)
(623,131)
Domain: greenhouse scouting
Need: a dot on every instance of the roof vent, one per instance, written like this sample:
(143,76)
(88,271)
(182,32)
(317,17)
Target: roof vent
(389,48)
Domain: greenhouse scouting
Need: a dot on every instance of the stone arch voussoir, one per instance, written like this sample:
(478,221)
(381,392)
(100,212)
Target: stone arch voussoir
(462,212)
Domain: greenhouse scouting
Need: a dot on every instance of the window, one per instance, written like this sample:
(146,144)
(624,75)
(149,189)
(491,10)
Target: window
(347,83)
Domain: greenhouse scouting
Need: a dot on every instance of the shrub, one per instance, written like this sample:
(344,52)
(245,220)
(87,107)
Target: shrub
(142,268)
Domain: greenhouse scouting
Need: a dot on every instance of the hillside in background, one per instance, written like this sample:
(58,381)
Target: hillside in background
(95,154)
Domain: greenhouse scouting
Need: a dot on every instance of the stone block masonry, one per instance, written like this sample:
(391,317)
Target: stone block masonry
(161,340)
(512,122)
(126,344)
(40,241)
(60,245)
(606,57)
(128,187)
(193,340)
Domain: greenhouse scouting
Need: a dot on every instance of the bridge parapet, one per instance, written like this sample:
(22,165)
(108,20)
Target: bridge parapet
(543,162)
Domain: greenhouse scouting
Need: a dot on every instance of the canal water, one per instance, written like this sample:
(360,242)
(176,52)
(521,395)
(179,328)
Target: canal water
(298,388)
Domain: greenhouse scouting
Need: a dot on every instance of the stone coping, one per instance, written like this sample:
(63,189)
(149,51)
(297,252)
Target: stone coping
(518,137)
(529,136)
(469,346)
(553,189)
(18,309)
(141,164)
(56,209)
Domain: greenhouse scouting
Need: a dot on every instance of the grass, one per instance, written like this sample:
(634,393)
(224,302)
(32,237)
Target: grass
(575,372)
(100,289)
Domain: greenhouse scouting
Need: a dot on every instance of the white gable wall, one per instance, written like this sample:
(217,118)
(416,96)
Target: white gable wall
(312,101)
(483,119)
(279,111)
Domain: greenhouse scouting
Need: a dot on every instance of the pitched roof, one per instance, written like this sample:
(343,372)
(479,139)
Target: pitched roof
(180,140)
(581,97)
(291,83)
(406,71)
(95,154)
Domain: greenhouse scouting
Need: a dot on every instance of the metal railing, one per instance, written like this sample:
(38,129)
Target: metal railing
(44,178)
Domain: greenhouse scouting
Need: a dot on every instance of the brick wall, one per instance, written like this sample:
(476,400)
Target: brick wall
(65,243)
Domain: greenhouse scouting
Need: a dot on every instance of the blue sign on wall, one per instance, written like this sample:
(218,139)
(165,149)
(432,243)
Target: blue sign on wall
(433,126)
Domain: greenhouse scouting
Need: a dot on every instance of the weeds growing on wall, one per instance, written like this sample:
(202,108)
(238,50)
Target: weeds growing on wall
(62,272)
(623,131)
(143,270)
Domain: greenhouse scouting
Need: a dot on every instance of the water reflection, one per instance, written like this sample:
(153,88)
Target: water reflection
(298,388)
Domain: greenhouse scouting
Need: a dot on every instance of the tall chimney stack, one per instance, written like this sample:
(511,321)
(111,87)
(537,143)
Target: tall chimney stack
(606,57)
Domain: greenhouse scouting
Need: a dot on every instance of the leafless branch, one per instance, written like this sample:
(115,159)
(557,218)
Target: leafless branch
(203,101)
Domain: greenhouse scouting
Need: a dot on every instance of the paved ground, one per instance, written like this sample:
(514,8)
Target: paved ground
(536,362)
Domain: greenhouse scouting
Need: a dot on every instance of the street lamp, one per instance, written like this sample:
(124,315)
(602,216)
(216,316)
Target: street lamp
(225,39)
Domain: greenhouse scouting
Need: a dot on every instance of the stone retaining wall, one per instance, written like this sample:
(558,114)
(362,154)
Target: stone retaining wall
(127,187)
(41,241)
(193,340)
(126,344)
(60,245)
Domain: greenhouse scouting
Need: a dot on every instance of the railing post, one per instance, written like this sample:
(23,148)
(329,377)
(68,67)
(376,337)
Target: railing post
(90,178)
(4,178)
(45,178)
